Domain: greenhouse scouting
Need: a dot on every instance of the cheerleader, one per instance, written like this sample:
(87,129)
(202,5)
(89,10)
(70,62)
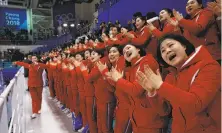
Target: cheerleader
(123,124)
(145,117)
(192,87)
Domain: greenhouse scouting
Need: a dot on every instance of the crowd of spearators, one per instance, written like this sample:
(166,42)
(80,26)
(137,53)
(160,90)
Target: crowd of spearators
(162,77)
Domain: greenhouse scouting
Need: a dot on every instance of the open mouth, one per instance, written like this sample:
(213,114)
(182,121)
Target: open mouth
(128,54)
(171,57)
(190,9)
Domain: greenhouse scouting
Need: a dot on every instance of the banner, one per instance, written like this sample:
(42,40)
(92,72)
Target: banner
(13,18)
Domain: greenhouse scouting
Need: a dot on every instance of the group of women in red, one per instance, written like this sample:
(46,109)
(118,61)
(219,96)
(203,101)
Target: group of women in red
(166,71)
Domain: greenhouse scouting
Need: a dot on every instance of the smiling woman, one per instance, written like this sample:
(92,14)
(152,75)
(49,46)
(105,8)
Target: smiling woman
(194,78)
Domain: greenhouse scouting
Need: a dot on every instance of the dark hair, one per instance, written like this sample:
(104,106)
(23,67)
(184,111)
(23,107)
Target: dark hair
(99,51)
(143,18)
(150,15)
(142,53)
(136,14)
(89,52)
(80,53)
(119,48)
(169,11)
(189,46)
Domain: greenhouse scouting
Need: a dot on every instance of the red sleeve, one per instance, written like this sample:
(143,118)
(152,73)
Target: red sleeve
(140,40)
(202,91)
(203,20)
(44,66)
(133,88)
(26,65)
(78,71)
(166,30)
(162,106)
(92,76)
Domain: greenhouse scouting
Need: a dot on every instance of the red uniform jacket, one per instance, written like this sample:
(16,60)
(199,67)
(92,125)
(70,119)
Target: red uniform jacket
(142,114)
(88,86)
(66,76)
(191,90)
(123,101)
(141,37)
(35,74)
(202,29)
(80,79)
(73,79)
(167,29)
(50,71)
(103,91)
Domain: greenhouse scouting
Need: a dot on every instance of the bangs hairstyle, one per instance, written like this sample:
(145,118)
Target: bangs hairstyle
(90,51)
(119,48)
(99,51)
(169,11)
(142,53)
(189,47)
(80,53)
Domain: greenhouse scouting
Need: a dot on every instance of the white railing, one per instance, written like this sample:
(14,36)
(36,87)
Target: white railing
(12,118)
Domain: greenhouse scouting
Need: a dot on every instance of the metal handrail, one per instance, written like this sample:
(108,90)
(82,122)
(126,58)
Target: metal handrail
(13,91)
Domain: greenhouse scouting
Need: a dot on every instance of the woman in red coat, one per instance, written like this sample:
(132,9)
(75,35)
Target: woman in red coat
(165,15)
(193,86)
(35,83)
(145,117)
(200,28)
(104,93)
(123,124)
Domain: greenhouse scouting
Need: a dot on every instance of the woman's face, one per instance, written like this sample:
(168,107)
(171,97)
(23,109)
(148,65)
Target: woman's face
(114,31)
(95,56)
(87,54)
(139,23)
(114,54)
(192,6)
(34,59)
(79,57)
(164,15)
(124,30)
(130,52)
(173,52)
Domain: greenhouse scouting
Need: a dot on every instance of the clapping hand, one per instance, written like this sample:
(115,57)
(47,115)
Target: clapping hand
(83,67)
(175,23)
(149,80)
(215,7)
(101,66)
(177,15)
(150,26)
(114,75)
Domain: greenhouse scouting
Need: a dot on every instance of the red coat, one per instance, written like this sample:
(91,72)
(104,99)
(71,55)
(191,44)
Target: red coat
(88,87)
(142,114)
(80,79)
(141,37)
(35,74)
(73,79)
(191,89)
(103,91)
(50,71)
(202,29)
(122,97)
(167,29)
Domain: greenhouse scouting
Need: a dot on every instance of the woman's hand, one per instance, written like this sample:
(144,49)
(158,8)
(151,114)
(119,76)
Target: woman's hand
(129,35)
(149,80)
(114,75)
(177,15)
(151,27)
(175,23)
(83,67)
(215,7)
(101,66)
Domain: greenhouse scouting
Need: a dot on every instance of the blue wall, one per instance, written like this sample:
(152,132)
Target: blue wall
(124,9)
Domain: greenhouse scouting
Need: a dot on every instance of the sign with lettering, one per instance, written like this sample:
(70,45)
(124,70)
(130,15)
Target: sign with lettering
(13,18)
